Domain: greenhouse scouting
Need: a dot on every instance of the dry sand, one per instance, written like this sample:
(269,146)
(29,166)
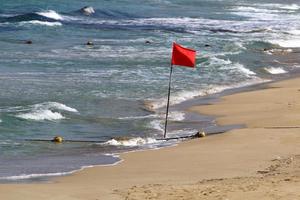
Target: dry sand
(257,162)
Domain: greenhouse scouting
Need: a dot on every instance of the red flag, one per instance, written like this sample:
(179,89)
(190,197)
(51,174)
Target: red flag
(183,56)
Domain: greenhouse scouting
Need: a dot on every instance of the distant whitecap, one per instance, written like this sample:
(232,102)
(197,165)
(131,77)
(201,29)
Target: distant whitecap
(50,14)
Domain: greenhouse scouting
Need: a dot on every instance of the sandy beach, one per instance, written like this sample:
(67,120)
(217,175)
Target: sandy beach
(260,161)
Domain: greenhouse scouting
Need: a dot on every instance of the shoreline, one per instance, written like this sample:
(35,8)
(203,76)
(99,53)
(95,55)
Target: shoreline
(192,121)
(218,160)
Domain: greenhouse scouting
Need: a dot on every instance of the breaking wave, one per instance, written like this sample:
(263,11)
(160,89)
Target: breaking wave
(45,111)
(290,43)
(48,18)
(37,22)
(32,176)
(138,117)
(286,7)
(274,70)
(186,95)
(50,14)
(40,115)
(132,142)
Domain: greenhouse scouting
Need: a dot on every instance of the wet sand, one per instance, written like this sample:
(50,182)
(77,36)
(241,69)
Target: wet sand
(259,161)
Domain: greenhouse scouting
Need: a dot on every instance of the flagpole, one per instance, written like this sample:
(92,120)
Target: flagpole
(168,103)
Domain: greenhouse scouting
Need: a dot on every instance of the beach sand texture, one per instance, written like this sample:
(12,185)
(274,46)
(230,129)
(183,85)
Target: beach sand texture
(256,162)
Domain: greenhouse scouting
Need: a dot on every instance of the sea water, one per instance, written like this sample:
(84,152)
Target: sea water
(117,87)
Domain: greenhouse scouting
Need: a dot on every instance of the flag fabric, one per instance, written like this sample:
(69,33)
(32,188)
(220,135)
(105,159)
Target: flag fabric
(183,56)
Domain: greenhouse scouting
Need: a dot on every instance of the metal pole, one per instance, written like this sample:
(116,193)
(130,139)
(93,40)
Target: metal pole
(167,113)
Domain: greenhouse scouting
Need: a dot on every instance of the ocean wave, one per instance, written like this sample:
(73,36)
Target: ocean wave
(45,23)
(138,117)
(289,43)
(228,65)
(32,176)
(26,17)
(132,142)
(253,9)
(284,6)
(156,124)
(257,16)
(265,12)
(51,14)
(278,51)
(244,70)
(212,89)
(44,111)
(176,116)
(274,70)
(56,105)
(40,115)
(185,95)
(48,18)
(294,32)
(269,7)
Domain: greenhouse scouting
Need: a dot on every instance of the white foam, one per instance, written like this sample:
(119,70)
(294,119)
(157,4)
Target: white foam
(176,116)
(228,65)
(37,22)
(289,7)
(252,9)
(186,95)
(0,120)
(57,105)
(244,70)
(291,43)
(40,115)
(274,70)
(212,89)
(156,124)
(257,16)
(30,176)
(131,142)
(276,7)
(294,32)
(44,111)
(8,142)
(218,61)
(240,45)
(139,117)
(278,51)
(50,14)
(183,132)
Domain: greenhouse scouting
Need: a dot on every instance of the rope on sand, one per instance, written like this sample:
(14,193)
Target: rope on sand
(280,127)
(59,139)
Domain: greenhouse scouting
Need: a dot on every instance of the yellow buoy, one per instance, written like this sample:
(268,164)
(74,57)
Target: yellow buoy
(200,134)
(57,139)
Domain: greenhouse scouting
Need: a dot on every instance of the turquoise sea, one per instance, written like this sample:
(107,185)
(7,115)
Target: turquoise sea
(52,83)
